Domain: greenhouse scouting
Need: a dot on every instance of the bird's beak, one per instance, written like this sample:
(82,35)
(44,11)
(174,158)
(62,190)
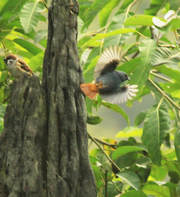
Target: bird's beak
(5,60)
(129,78)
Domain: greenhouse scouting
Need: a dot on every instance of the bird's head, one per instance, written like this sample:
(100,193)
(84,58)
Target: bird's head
(10,60)
(123,76)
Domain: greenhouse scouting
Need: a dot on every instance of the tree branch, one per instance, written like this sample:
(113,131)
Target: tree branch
(164,94)
(104,143)
(107,156)
(160,77)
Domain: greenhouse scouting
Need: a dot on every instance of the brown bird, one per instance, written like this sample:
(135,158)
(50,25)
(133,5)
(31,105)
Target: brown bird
(17,67)
(110,84)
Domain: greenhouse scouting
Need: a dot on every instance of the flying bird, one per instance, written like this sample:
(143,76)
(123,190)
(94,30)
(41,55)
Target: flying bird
(17,67)
(109,83)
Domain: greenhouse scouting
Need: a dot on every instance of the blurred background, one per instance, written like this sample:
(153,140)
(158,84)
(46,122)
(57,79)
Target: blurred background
(112,122)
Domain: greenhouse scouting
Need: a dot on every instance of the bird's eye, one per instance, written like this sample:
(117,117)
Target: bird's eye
(10,61)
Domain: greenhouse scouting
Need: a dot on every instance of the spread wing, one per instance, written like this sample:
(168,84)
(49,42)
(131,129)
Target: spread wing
(108,61)
(125,93)
(24,67)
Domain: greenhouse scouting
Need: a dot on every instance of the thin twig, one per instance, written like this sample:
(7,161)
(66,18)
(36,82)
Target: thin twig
(95,33)
(105,143)
(107,156)
(176,36)
(126,59)
(145,37)
(128,9)
(161,77)
(135,54)
(44,3)
(167,45)
(160,103)
(164,94)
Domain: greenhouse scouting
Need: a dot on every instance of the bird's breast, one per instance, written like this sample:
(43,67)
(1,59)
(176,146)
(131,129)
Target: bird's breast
(110,82)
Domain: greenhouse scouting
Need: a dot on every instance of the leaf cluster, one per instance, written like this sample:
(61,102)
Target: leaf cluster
(144,160)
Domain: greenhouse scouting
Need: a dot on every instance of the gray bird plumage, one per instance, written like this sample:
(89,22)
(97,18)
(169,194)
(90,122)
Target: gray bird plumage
(113,88)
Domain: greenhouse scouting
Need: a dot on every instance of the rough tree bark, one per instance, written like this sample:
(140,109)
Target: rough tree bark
(43,149)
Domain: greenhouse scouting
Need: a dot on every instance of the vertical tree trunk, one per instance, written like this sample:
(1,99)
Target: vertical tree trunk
(68,170)
(43,150)
(22,142)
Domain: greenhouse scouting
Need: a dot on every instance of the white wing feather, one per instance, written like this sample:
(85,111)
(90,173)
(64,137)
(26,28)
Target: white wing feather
(109,54)
(121,97)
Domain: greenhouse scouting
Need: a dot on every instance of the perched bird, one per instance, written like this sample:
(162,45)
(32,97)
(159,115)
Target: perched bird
(17,67)
(109,83)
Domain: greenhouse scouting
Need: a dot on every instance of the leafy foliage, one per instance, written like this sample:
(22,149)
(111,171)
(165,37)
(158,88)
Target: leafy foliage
(144,158)
(30,15)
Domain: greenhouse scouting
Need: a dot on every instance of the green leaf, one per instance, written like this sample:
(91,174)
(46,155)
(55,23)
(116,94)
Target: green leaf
(10,16)
(164,55)
(82,41)
(155,6)
(130,66)
(134,194)
(117,109)
(92,57)
(36,62)
(172,164)
(177,144)
(113,188)
(129,132)
(126,3)
(130,178)
(28,46)
(139,118)
(130,158)
(94,119)
(85,5)
(170,72)
(100,36)
(11,6)
(141,72)
(159,172)
(175,24)
(89,71)
(29,15)
(122,150)
(139,20)
(2,3)
(3,76)
(156,190)
(174,4)
(156,125)
(97,171)
(164,121)
(106,11)
(151,135)
(92,11)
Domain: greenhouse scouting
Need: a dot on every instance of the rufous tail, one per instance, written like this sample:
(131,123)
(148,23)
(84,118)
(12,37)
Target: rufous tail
(89,89)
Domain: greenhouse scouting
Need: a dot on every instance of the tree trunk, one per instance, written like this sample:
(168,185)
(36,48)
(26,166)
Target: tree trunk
(43,149)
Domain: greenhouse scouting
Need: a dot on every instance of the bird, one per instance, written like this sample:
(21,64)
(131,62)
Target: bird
(17,67)
(110,84)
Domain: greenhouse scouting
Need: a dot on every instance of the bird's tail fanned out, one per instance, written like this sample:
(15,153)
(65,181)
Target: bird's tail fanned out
(89,89)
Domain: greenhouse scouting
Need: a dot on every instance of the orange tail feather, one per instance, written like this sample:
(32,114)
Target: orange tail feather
(89,89)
